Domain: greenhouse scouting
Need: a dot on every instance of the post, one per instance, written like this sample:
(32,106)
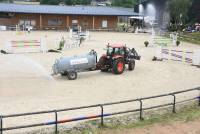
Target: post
(56,122)
(1,124)
(199,96)
(67,22)
(102,115)
(127,22)
(40,21)
(174,104)
(93,22)
(142,22)
(141,105)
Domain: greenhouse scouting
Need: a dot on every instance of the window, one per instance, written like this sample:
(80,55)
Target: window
(54,22)
(74,21)
(27,22)
(104,24)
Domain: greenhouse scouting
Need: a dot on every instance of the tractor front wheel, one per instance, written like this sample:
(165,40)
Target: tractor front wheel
(118,66)
(131,65)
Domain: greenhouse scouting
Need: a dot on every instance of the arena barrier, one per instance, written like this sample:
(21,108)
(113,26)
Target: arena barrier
(190,57)
(173,102)
(26,46)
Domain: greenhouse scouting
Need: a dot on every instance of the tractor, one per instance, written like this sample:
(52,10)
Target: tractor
(116,57)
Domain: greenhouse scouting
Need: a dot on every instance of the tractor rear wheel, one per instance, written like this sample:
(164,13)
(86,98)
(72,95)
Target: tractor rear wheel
(118,66)
(131,65)
(72,75)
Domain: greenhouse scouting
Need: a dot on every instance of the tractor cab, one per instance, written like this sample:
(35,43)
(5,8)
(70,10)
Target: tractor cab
(116,50)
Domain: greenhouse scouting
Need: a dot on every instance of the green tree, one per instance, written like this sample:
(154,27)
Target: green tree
(178,10)
(50,2)
(194,12)
(124,3)
(67,2)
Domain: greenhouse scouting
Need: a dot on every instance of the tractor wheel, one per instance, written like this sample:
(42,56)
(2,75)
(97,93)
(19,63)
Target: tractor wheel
(118,66)
(64,74)
(72,75)
(104,69)
(101,65)
(131,65)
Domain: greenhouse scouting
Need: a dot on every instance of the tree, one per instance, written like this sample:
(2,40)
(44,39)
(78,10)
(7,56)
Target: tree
(124,3)
(67,2)
(50,2)
(178,10)
(194,12)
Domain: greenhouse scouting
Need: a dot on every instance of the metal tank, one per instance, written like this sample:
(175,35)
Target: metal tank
(69,66)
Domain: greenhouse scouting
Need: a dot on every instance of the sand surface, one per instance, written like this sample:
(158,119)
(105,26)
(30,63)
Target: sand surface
(26,84)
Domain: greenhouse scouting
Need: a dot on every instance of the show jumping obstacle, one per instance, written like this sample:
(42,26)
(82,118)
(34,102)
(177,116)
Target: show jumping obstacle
(190,57)
(24,46)
(163,41)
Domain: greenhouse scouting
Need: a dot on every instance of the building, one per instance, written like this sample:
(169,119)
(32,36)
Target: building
(62,17)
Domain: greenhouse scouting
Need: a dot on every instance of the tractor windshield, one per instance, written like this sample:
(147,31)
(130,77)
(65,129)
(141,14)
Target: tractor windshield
(113,51)
(110,51)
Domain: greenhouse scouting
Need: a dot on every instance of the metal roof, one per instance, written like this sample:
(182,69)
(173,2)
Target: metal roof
(70,10)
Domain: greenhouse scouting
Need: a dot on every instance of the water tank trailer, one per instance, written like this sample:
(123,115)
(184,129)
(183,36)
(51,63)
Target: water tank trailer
(114,60)
(69,66)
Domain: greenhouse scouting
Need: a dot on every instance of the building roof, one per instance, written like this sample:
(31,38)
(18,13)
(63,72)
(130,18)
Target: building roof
(70,10)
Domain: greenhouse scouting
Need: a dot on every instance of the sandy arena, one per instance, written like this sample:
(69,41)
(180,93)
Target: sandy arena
(26,84)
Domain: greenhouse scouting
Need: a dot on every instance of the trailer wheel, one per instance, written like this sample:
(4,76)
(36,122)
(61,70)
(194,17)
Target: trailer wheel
(118,66)
(72,75)
(131,65)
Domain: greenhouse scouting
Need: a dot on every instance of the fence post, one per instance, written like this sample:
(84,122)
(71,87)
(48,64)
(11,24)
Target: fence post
(199,97)
(174,103)
(1,124)
(141,105)
(102,112)
(56,122)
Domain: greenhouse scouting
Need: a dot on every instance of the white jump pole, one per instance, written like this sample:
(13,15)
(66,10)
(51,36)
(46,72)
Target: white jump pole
(41,45)
(70,33)
(196,58)
(87,35)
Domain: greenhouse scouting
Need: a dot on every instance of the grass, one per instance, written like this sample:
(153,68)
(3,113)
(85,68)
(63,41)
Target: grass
(191,37)
(185,115)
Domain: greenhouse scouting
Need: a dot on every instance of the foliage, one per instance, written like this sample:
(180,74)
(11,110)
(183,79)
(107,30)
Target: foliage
(61,44)
(146,43)
(194,12)
(178,43)
(124,3)
(67,2)
(179,12)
